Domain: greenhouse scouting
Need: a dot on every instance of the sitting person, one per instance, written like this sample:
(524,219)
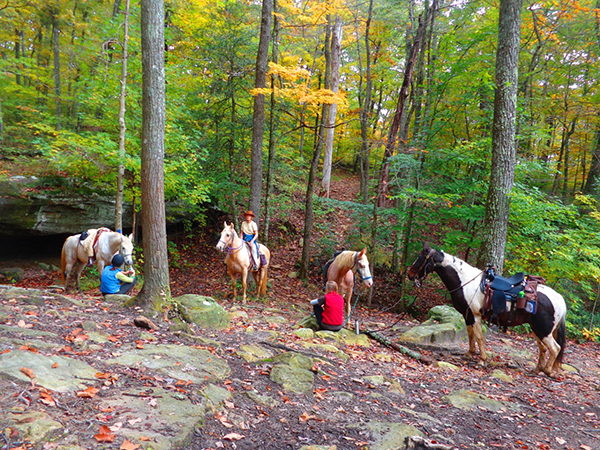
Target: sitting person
(114,280)
(329,309)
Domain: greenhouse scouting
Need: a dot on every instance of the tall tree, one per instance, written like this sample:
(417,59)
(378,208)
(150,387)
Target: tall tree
(504,144)
(156,268)
(336,43)
(122,125)
(258,119)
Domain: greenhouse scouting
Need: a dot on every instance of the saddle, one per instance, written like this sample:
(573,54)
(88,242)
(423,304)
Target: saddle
(262,259)
(518,292)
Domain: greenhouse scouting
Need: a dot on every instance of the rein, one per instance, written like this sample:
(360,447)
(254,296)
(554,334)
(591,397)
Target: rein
(354,269)
(231,249)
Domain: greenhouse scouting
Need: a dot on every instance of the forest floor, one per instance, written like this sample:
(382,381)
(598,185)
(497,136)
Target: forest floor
(536,413)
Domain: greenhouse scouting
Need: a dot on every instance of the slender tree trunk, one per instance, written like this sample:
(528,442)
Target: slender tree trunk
(56,59)
(365,109)
(258,119)
(310,191)
(593,177)
(122,125)
(156,290)
(399,114)
(312,174)
(272,125)
(336,39)
(495,224)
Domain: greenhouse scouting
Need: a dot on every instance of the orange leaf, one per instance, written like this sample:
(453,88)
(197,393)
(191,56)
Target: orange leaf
(126,445)
(47,399)
(27,372)
(144,438)
(55,365)
(104,435)
(103,376)
(88,393)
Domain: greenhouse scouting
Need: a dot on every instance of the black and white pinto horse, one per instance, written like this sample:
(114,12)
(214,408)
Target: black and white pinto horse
(464,281)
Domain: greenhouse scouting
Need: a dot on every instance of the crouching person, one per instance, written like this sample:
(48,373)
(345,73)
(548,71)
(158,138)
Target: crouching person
(114,280)
(329,309)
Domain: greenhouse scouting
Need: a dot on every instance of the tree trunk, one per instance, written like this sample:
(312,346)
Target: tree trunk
(310,190)
(56,59)
(272,126)
(156,288)
(365,109)
(399,114)
(336,39)
(495,224)
(122,126)
(258,118)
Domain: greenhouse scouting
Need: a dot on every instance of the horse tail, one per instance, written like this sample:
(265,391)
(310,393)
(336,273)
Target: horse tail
(561,339)
(63,261)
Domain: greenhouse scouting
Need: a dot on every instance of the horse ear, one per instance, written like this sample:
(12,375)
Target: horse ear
(362,253)
(225,224)
(426,246)
(130,237)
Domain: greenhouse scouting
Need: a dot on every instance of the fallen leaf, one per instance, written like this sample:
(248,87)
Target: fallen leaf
(126,445)
(134,421)
(233,437)
(27,372)
(88,393)
(55,365)
(104,435)
(47,399)
(305,417)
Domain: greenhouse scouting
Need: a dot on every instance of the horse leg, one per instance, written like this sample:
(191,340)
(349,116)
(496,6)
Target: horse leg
(471,335)
(553,351)
(79,269)
(478,332)
(244,283)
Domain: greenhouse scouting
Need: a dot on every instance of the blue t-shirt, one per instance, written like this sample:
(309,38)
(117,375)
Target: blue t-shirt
(109,284)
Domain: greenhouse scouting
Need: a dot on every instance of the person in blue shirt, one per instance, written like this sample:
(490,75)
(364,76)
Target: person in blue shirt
(114,280)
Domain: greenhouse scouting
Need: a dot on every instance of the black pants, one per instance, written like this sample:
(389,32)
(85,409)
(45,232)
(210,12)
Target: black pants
(318,309)
(125,288)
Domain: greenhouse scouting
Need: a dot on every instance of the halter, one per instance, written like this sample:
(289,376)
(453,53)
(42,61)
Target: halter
(423,267)
(231,249)
(355,268)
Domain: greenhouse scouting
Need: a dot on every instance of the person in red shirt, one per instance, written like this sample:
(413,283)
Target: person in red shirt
(329,309)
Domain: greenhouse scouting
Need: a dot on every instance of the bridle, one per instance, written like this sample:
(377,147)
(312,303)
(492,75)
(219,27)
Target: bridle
(230,248)
(426,267)
(356,269)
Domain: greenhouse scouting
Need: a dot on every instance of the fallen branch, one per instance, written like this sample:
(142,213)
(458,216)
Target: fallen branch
(404,350)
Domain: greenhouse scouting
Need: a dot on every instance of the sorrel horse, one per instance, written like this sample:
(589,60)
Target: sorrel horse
(464,283)
(342,270)
(107,245)
(239,261)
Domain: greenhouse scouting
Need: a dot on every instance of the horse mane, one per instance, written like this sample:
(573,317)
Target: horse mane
(346,258)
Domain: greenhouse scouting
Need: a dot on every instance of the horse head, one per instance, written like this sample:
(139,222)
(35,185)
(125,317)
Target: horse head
(227,237)
(424,264)
(126,249)
(362,267)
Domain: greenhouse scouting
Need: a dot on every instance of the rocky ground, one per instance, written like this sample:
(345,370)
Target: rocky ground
(76,372)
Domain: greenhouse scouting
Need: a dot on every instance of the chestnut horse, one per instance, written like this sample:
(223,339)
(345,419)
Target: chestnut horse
(107,245)
(342,270)
(464,281)
(239,261)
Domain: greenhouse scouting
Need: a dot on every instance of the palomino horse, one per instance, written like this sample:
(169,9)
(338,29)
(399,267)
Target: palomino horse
(239,262)
(464,281)
(107,245)
(342,270)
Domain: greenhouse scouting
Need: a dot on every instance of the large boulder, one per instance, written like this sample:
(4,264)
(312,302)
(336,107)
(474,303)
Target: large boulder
(203,311)
(444,325)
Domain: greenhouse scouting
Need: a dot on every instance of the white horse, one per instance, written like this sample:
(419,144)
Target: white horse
(342,270)
(464,281)
(239,261)
(108,243)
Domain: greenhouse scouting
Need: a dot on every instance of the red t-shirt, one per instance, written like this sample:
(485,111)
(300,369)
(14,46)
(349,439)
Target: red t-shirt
(333,310)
